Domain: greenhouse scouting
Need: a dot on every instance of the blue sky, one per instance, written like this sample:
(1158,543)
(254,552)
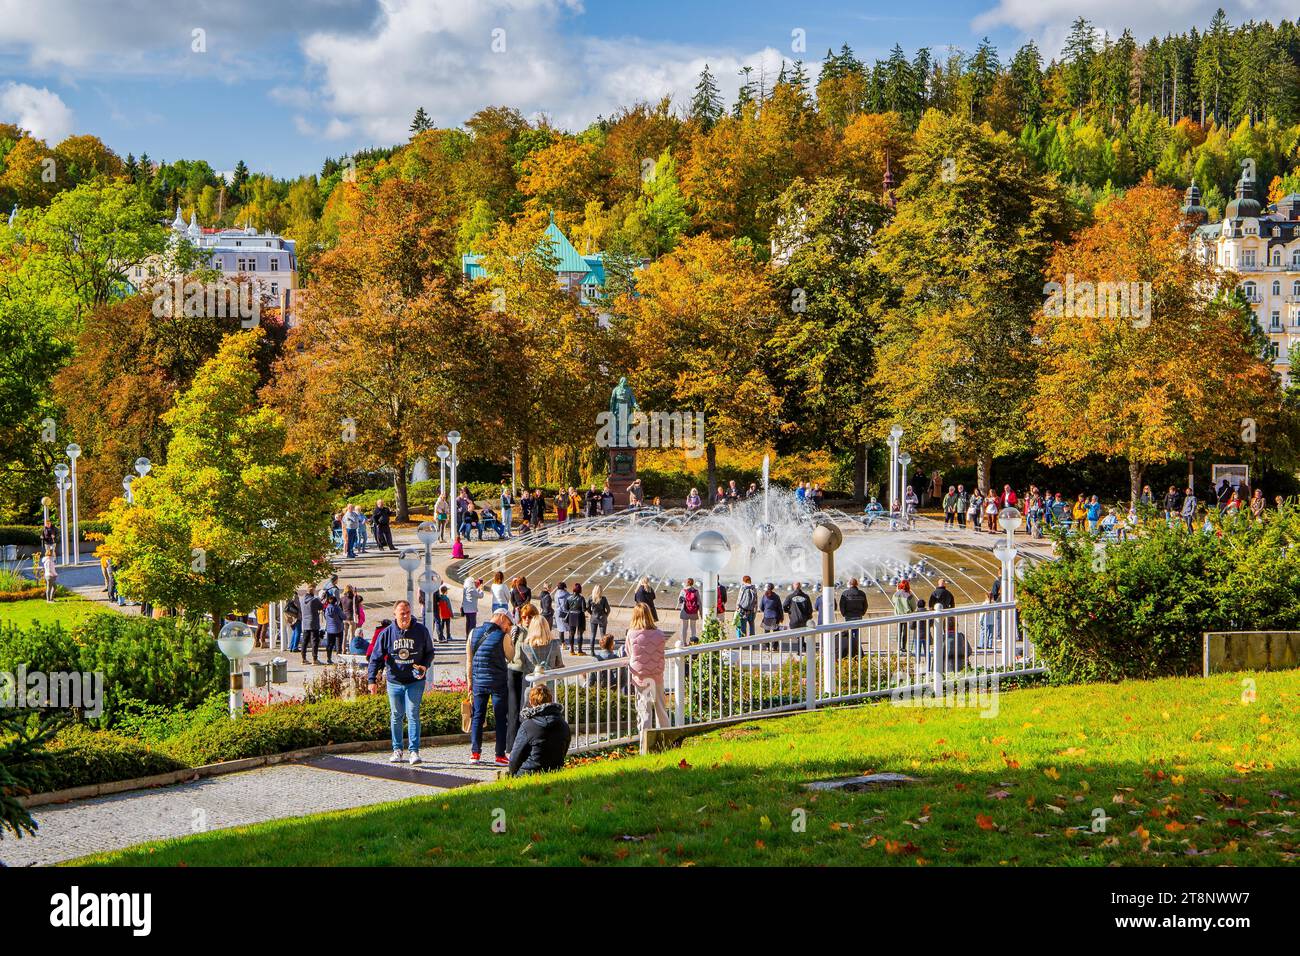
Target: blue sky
(282,84)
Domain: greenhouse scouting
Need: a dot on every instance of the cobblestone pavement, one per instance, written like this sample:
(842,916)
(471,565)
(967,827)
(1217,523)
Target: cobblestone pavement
(269,793)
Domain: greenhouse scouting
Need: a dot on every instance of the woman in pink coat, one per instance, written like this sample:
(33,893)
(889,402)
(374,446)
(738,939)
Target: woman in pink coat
(645,664)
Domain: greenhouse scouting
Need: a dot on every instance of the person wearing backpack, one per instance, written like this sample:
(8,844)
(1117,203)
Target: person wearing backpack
(487,650)
(798,607)
(575,611)
(746,608)
(405,649)
(721,608)
(689,605)
(443,614)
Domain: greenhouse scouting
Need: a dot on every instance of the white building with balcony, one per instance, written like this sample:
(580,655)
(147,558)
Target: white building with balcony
(267,259)
(1262,245)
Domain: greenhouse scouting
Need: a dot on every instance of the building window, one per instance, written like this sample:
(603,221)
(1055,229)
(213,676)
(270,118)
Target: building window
(1277,288)
(275,265)
(275,289)
(1275,325)
(1277,257)
(1247,258)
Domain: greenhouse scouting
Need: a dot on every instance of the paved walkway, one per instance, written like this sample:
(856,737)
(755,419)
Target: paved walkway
(316,785)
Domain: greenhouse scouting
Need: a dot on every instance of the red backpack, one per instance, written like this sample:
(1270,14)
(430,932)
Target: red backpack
(691,603)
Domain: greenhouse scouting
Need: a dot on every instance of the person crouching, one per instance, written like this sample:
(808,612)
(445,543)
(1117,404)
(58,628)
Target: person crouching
(543,738)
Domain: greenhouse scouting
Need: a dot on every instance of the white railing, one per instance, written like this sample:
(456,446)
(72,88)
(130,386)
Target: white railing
(907,655)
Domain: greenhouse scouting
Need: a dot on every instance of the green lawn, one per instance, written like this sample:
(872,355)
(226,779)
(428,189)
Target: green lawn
(1187,771)
(64,610)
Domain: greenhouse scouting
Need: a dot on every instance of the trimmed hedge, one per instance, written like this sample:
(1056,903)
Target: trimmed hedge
(80,756)
(294,726)
(29,535)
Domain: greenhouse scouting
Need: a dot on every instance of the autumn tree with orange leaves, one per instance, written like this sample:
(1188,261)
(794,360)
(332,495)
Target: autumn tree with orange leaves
(1142,354)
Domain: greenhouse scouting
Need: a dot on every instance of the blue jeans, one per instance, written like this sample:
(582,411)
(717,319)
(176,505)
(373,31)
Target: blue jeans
(479,717)
(363,537)
(295,636)
(506,518)
(351,538)
(405,697)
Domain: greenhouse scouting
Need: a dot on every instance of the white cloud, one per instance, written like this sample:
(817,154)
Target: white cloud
(454,58)
(39,111)
(1048,21)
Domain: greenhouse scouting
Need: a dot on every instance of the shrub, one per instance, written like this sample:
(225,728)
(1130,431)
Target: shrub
(163,661)
(79,756)
(155,723)
(22,535)
(292,726)
(1137,609)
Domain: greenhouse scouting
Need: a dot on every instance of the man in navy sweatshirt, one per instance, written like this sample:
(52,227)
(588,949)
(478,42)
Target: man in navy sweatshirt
(406,648)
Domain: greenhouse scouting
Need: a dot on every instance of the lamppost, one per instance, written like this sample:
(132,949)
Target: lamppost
(46,501)
(443,452)
(430,585)
(143,466)
(895,435)
(710,551)
(235,641)
(427,534)
(73,452)
(457,549)
(903,461)
(61,482)
(1009,519)
(826,538)
(408,561)
(126,489)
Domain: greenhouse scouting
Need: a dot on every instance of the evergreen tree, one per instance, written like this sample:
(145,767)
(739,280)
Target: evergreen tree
(1027,77)
(421,122)
(1212,68)
(747,93)
(1078,56)
(706,105)
(238,181)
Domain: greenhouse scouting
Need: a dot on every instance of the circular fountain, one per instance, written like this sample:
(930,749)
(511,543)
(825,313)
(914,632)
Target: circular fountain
(770,537)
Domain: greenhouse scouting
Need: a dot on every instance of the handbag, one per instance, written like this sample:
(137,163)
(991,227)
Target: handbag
(466,713)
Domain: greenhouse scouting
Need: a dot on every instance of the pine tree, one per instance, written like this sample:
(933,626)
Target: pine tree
(238,181)
(421,122)
(1212,68)
(706,105)
(747,93)
(1027,77)
(1078,56)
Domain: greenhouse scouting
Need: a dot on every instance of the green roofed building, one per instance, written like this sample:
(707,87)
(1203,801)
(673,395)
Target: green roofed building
(583,276)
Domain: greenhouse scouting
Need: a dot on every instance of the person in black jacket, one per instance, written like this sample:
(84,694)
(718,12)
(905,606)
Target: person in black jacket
(542,741)
(853,605)
(798,607)
(645,594)
(379,519)
(575,612)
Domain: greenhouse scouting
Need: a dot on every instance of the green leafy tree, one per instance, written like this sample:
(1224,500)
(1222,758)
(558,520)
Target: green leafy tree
(231,520)
(706,105)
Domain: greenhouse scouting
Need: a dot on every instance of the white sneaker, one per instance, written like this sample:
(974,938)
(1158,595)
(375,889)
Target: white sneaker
(396,757)
(415,757)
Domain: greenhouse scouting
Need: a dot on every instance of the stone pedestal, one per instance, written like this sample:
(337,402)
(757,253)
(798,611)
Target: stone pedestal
(622,472)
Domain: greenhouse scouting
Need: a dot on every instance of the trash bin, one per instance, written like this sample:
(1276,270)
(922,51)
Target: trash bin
(257,672)
(279,671)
